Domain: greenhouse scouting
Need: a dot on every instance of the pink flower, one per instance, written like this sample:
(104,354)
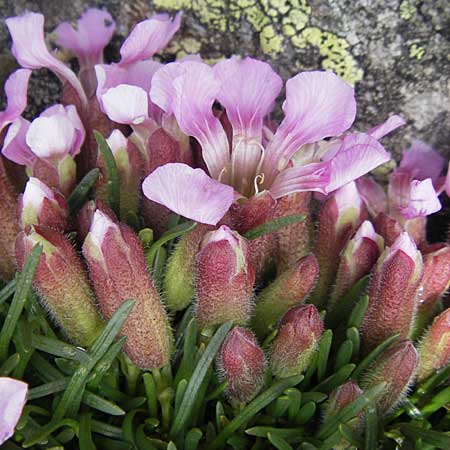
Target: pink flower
(317,105)
(13,395)
(30,26)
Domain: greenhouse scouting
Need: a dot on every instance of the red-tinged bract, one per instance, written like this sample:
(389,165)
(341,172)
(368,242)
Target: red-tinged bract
(242,364)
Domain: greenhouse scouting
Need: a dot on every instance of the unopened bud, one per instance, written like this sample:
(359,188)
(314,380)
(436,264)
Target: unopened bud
(225,279)
(118,272)
(297,340)
(434,349)
(396,367)
(40,205)
(61,281)
(288,289)
(339,217)
(242,364)
(86,215)
(393,293)
(357,259)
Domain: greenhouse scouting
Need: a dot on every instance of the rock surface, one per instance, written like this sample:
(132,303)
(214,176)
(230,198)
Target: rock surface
(396,52)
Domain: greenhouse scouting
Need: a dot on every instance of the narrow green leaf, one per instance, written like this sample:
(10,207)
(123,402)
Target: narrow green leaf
(105,429)
(85,437)
(350,436)
(197,378)
(158,266)
(47,372)
(353,335)
(435,438)
(436,402)
(350,411)
(335,380)
(9,365)
(371,429)
(70,402)
(360,308)
(189,347)
(101,404)
(217,392)
(192,439)
(278,442)
(7,291)
(373,355)
(256,405)
(150,391)
(112,174)
(291,435)
(344,354)
(174,233)
(274,225)
(111,444)
(44,432)
(179,394)
(79,195)
(48,388)
(434,380)
(324,353)
(306,413)
(18,302)
(59,348)
(295,401)
(316,397)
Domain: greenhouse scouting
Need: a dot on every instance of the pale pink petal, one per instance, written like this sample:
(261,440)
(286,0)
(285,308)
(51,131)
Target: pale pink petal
(16,87)
(149,37)
(373,195)
(359,154)
(30,26)
(162,92)
(422,161)
(13,395)
(15,147)
(347,197)
(126,104)
(310,177)
(387,127)
(51,137)
(423,200)
(189,192)
(117,141)
(92,34)
(195,91)
(317,105)
(248,91)
(406,244)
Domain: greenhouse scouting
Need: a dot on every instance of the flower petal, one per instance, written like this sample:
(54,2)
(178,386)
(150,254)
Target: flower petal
(16,87)
(126,104)
(387,127)
(162,92)
(373,195)
(359,154)
(310,177)
(423,200)
(149,37)
(189,192)
(318,105)
(422,161)
(248,91)
(31,26)
(13,395)
(15,147)
(94,30)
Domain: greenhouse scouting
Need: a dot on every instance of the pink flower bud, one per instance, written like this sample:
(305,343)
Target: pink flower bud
(396,367)
(86,215)
(179,278)
(40,205)
(393,293)
(297,340)
(288,289)
(339,217)
(293,241)
(8,225)
(62,283)
(357,259)
(225,279)
(118,272)
(129,166)
(434,349)
(242,364)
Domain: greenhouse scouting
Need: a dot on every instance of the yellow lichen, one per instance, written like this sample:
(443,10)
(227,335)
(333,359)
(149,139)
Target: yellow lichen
(407,10)
(416,51)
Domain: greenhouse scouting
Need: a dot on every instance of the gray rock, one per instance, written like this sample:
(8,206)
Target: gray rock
(396,52)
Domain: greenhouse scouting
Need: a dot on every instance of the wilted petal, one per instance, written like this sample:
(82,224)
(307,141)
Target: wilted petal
(31,26)
(248,91)
(189,192)
(149,37)
(311,177)
(422,161)
(423,200)
(13,395)
(15,147)
(16,93)
(359,154)
(126,104)
(387,127)
(317,105)
(92,34)
(373,195)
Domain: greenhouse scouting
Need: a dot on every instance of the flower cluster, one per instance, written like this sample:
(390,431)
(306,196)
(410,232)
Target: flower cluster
(187,140)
